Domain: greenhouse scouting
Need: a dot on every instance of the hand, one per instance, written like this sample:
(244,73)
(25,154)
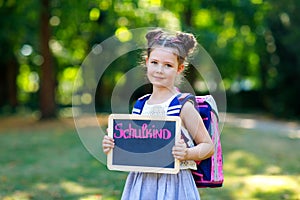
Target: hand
(107,144)
(180,150)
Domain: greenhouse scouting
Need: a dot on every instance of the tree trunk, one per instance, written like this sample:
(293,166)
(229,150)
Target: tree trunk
(8,78)
(187,23)
(47,87)
(12,72)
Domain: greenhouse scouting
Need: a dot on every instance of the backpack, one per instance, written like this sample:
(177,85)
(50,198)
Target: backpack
(209,172)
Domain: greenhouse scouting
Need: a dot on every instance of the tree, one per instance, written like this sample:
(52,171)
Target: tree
(47,88)
(252,43)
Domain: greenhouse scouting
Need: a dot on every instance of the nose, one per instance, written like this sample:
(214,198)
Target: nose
(160,68)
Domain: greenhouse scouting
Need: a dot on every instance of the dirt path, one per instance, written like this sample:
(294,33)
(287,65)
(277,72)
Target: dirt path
(263,123)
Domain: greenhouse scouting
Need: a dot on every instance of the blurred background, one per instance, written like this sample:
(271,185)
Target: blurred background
(254,44)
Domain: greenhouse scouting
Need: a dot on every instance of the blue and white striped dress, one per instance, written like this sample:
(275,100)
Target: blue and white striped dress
(157,186)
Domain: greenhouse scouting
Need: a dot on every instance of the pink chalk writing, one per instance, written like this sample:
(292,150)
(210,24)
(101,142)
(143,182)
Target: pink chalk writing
(141,132)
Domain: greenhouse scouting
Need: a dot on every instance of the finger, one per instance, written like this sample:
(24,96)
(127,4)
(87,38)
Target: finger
(108,143)
(107,140)
(179,148)
(178,152)
(106,137)
(181,141)
(107,147)
(178,157)
(106,150)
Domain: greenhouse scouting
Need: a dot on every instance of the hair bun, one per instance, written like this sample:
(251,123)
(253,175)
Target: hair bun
(188,40)
(151,35)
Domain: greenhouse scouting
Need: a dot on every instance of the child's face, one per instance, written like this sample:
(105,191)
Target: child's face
(163,67)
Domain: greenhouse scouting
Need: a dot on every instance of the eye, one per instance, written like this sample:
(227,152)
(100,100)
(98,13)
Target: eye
(154,62)
(169,65)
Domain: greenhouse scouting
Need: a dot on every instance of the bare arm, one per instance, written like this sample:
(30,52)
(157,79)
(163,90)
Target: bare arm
(192,121)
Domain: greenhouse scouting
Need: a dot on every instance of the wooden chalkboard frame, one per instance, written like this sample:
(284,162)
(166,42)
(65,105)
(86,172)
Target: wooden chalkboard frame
(117,162)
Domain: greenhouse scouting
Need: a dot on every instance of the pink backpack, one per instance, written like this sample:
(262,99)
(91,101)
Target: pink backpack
(209,172)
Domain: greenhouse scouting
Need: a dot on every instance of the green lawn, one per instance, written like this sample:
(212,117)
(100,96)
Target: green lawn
(48,161)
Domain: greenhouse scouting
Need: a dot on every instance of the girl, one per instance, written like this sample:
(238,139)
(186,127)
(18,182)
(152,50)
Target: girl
(165,63)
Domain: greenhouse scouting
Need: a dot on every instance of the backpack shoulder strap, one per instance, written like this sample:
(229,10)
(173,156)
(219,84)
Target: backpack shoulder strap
(174,108)
(177,102)
(139,104)
(185,97)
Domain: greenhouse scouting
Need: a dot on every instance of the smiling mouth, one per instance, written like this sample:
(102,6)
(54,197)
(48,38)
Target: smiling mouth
(157,77)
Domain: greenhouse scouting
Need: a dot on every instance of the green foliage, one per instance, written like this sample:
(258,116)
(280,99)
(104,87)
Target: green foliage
(253,42)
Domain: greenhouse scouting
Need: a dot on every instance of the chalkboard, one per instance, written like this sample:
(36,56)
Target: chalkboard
(143,143)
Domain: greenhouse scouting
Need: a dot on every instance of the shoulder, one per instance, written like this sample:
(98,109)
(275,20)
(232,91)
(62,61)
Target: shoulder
(139,104)
(190,117)
(189,114)
(142,99)
(187,101)
(146,96)
(188,107)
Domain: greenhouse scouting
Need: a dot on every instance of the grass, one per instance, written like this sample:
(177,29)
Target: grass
(46,160)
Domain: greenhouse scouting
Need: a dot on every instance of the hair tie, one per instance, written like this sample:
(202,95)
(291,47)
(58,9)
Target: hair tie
(156,38)
(175,39)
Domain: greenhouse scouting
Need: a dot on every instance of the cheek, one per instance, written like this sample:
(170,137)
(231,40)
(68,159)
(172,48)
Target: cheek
(149,71)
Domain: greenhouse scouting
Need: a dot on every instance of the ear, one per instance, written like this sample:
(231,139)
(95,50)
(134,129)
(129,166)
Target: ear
(146,59)
(180,68)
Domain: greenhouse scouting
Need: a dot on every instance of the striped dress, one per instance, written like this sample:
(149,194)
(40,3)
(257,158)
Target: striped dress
(157,186)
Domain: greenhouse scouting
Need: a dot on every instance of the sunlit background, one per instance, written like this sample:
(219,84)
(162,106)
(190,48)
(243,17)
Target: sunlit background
(254,44)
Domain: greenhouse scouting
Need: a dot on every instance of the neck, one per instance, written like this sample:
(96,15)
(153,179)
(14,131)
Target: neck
(162,94)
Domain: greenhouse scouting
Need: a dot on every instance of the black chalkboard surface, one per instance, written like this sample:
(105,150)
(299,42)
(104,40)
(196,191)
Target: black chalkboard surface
(143,143)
